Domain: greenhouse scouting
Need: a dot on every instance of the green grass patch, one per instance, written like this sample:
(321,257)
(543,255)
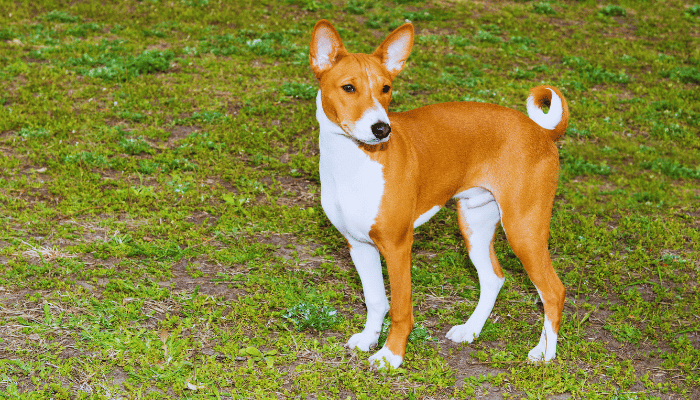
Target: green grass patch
(122,68)
(543,8)
(612,11)
(312,316)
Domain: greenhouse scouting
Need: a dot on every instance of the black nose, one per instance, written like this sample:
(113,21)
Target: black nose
(381,130)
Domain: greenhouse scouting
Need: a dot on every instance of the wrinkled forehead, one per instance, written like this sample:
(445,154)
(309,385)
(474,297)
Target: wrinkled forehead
(357,67)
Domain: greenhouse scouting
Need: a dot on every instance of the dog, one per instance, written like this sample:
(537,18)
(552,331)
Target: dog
(385,173)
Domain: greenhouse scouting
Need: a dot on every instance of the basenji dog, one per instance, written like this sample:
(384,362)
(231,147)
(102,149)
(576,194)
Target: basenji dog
(385,173)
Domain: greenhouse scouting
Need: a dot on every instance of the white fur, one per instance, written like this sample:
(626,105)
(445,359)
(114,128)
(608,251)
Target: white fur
(324,48)
(369,79)
(549,120)
(326,127)
(481,214)
(546,349)
(385,355)
(396,52)
(475,197)
(423,218)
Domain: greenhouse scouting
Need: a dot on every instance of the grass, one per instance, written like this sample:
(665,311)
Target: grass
(162,235)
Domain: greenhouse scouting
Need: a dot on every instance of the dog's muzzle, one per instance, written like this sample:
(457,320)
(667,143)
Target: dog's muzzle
(380,130)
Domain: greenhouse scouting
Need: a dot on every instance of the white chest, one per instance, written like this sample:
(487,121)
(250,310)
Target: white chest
(352,184)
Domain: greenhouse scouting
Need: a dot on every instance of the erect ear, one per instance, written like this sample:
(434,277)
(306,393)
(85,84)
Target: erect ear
(395,49)
(326,47)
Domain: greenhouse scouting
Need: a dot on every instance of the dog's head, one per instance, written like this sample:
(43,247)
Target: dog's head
(355,87)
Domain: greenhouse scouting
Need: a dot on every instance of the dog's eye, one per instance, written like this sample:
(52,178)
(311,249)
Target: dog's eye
(386,89)
(348,88)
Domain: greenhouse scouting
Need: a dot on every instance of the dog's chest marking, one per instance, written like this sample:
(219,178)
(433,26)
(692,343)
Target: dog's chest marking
(352,184)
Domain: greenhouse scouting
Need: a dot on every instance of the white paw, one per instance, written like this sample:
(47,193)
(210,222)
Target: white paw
(363,340)
(546,349)
(380,359)
(540,353)
(463,333)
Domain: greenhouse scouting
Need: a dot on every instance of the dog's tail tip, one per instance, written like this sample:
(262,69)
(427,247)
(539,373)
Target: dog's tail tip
(557,119)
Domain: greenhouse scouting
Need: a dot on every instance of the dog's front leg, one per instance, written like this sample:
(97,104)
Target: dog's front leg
(366,259)
(398,261)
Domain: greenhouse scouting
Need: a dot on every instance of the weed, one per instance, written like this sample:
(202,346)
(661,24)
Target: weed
(683,74)
(624,332)
(148,167)
(82,30)
(420,335)
(672,169)
(459,41)
(574,131)
(200,141)
(153,33)
(612,10)
(34,133)
(59,16)
(301,91)
(308,315)
(418,16)
(526,42)
(518,73)
(134,146)
(600,75)
(594,74)
(447,78)
(86,158)
(182,164)
(543,8)
(151,61)
(671,131)
(223,45)
(254,355)
(7,33)
(375,22)
(209,117)
(307,5)
(577,166)
(357,7)
(486,36)
(123,68)
(131,116)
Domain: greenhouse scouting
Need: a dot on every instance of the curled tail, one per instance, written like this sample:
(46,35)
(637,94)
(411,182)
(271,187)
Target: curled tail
(556,120)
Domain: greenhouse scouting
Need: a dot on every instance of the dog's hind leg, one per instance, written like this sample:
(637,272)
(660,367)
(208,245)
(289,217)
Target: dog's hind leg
(478,217)
(528,233)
